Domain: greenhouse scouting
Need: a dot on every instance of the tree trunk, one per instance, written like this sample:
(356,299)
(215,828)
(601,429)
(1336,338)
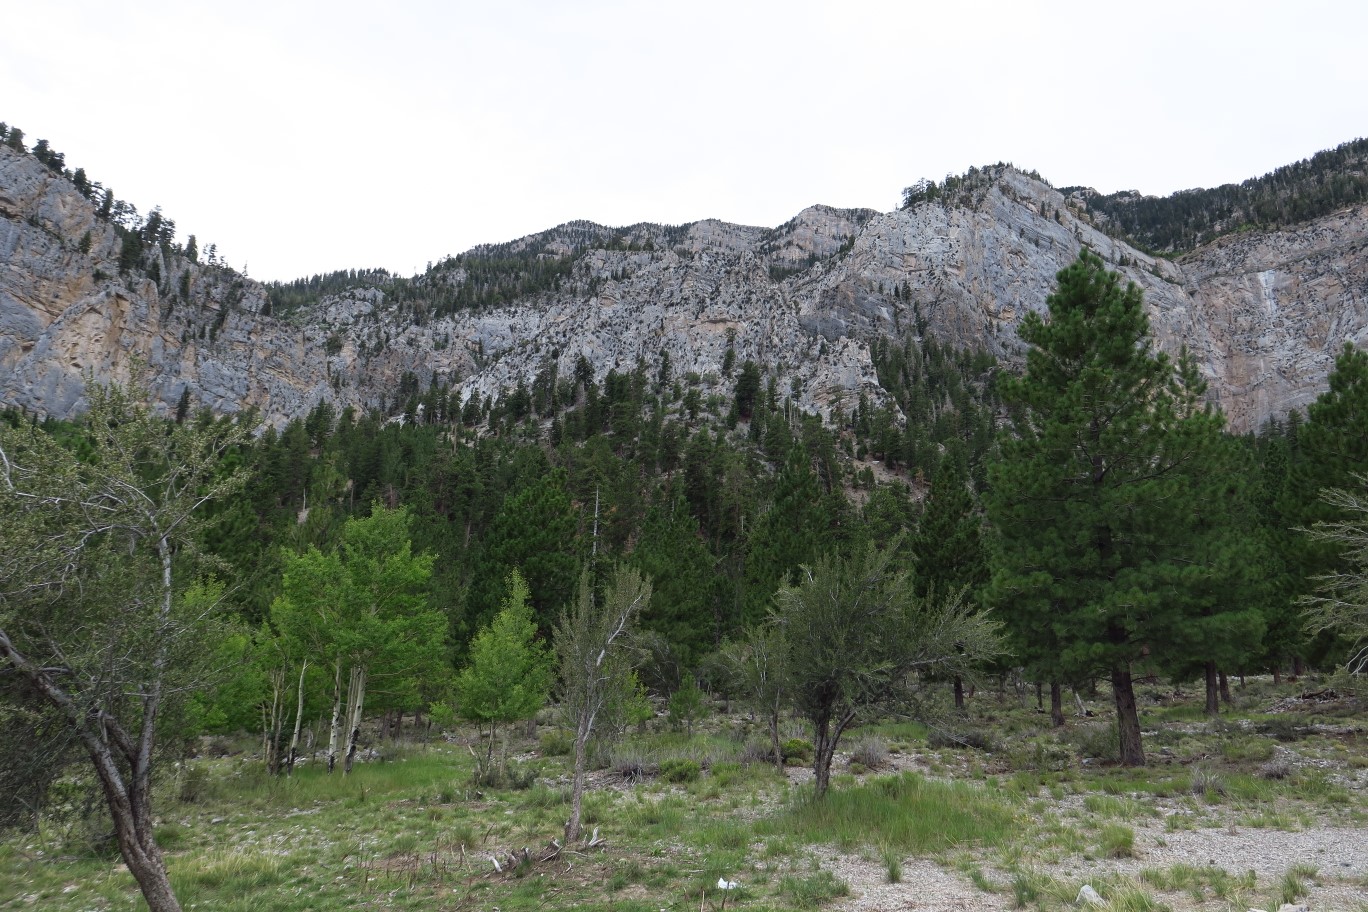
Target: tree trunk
(1213,708)
(1277,673)
(1298,669)
(276,723)
(299,720)
(130,809)
(775,746)
(1224,687)
(1127,717)
(572,826)
(1056,704)
(959,692)
(1040,697)
(824,749)
(828,736)
(111,751)
(356,697)
(336,722)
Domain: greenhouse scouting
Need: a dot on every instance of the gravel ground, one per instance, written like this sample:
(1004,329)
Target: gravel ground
(1340,856)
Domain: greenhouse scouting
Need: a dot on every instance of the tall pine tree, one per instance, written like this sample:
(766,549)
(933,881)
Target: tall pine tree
(1092,492)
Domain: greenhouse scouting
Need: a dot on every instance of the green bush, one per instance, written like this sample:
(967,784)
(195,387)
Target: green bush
(1237,749)
(796,750)
(1281,728)
(687,705)
(1040,754)
(678,769)
(506,774)
(556,744)
(194,779)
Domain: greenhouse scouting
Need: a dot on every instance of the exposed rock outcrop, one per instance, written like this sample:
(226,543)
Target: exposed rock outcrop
(1263,313)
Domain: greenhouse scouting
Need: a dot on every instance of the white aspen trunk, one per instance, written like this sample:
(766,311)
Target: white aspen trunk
(299,720)
(270,750)
(336,714)
(356,696)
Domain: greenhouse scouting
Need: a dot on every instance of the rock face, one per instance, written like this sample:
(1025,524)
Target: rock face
(1263,313)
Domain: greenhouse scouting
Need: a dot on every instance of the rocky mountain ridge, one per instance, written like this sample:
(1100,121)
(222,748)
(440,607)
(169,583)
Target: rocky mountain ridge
(1264,313)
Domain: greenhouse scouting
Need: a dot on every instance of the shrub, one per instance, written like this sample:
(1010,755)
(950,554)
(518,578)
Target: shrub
(631,764)
(687,705)
(1100,742)
(1206,783)
(505,774)
(193,780)
(1039,754)
(1275,769)
(1237,749)
(870,752)
(678,769)
(1282,729)
(556,744)
(966,739)
(796,750)
(757,752)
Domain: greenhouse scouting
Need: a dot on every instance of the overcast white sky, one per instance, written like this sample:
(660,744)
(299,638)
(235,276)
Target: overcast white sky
(311,136)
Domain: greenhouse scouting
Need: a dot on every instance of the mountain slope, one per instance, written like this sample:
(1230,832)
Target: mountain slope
(1264,312)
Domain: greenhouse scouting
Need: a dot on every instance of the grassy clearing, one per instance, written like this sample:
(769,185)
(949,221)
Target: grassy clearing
(1009,804)
(908,812)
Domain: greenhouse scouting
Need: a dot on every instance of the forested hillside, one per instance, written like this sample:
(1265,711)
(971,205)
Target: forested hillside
(1185,220)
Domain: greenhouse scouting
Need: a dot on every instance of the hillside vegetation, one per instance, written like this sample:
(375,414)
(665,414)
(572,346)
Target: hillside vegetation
(1185,220)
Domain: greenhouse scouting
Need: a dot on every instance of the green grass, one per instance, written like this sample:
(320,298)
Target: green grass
(1116,841)
(892,861)
(1199,881)
(1117,808)
(906,812)
(1293,885)
(902,732)
(413,833)
(813,891)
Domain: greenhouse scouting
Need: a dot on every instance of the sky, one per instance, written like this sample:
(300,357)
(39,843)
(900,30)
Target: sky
(304,137)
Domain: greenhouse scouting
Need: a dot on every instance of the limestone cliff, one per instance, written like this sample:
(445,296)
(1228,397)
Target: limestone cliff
(1264,313)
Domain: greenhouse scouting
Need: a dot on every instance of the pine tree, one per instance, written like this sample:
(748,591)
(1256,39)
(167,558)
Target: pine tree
(671,553)
(1092,494)
(1330,448)
(789,534)
(1226,576)
(948,547)
(534,530)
